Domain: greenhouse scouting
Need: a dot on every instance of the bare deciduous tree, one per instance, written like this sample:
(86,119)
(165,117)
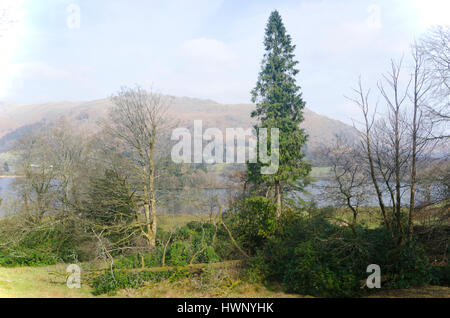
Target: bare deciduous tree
(420,128)
(362,101)
(435,50)
(394,142)
(138,119)
(394,130)
(348,184)
(36,186)
(52,164)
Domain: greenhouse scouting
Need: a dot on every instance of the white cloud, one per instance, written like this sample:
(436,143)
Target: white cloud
(11,31)
(40,70)
(431,12)
(18,76)
(208,55)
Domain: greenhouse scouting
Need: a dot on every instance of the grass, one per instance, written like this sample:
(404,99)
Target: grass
(190,289)
(423,292)
(170,222)
(320,172)
(368,216)
(40,282)
(32,282)
(372,218)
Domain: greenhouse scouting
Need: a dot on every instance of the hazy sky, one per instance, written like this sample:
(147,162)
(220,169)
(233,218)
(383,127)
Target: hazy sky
(206,48)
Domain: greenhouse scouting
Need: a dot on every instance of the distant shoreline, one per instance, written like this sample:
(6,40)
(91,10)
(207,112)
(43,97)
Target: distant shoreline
(13,177)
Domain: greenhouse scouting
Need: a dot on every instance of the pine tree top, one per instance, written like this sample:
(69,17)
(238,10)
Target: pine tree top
(276,36)
(276,93)
(279,105)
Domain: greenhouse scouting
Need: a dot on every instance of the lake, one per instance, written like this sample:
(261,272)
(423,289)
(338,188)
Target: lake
(187,201)
(5,183)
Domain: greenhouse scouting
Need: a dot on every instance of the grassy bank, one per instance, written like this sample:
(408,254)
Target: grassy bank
(32,282)
(49,282)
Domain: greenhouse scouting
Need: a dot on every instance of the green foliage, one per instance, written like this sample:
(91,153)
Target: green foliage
(149,259)
(279,104)
(223,246)
(27,257)
(208,255)
(309,255)
(110,208)
(40,247)
(190,242)
(309,273)
(179,254)
(441,275)
(193,242)
(252,221)
(407,266)
(204,279)
(110,201)
(109,282)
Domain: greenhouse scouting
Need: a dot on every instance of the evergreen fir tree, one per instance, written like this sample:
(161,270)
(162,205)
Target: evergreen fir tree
(110,207)
(279,105)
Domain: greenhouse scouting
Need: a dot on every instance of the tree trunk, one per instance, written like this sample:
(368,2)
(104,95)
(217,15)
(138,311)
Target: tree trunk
(149,234)
(278,197)
(374,179)
(412,203)
(397,173)
(152,209)
(152,188)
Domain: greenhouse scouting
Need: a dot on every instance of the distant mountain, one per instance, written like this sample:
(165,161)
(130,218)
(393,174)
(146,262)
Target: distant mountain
(17,120)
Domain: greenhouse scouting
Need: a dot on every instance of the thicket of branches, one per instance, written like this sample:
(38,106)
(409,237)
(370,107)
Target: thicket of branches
(402,156)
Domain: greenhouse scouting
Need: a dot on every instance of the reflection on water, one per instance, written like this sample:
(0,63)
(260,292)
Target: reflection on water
(194,200)
(5,187)
(5,184)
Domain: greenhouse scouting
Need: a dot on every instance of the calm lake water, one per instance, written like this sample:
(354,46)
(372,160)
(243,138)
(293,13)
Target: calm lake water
(5,183)
(188,201)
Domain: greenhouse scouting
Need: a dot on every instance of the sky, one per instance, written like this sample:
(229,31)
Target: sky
(74,50)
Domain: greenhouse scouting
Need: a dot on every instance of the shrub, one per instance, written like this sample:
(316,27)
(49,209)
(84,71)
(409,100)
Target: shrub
(441,275)
(178,254)
(407,266)
(190,242)
(27,257)
(307,273)
(109,282)
(150,259)
(208,255)
(253,221)
(309,255)
(41,247)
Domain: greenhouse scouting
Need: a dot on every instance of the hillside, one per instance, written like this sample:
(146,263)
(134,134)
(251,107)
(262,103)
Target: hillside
(17,120)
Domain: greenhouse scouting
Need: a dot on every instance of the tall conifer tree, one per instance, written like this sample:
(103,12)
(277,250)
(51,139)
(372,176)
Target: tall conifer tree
(279,105)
